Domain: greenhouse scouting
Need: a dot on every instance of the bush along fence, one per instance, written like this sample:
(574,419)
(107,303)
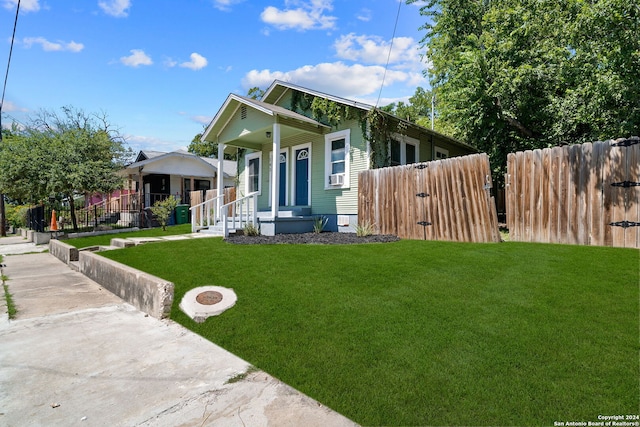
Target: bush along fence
(439,200)
(584,194)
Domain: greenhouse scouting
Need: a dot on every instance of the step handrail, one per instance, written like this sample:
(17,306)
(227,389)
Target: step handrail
(239,219)
(206,214)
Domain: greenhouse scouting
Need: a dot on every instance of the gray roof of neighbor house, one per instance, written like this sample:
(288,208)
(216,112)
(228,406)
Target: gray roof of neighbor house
(148,154)
(147,157)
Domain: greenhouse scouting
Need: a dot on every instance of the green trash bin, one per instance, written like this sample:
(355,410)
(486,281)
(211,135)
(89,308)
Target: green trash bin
(182,214)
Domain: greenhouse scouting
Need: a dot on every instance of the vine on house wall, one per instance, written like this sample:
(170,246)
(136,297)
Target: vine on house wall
(375,125)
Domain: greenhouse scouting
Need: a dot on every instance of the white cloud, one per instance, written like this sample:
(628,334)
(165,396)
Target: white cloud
(141,142)
(337,78)
(9,106)
(52,46)
(309,15)
(25,5)
(117,8)
(375,50)
(364,15)
(203,120)
(197,62)
(225,5)
(137,58)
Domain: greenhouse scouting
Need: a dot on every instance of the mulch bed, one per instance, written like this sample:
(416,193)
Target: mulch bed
(327,238)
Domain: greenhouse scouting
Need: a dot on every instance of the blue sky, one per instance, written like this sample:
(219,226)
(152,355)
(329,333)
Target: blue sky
(161,69)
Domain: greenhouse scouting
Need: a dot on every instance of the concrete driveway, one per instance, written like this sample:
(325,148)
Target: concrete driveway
(78,355)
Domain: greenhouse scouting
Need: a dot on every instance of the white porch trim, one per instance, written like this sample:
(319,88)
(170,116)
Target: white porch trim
(275,171)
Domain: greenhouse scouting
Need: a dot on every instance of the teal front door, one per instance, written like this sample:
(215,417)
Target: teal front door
(302,176)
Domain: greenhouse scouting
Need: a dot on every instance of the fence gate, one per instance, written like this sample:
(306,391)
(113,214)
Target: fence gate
(581,194)
(440,200)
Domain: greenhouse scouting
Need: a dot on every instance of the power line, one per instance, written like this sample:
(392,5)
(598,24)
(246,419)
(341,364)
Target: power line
(395,26)
(6,76)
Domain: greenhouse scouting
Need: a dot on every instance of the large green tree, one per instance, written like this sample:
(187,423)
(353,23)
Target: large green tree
(416,110)
(518,74)
(62,156)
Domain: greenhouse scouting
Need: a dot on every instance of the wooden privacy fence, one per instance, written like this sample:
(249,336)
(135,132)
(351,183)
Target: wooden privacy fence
(196,198)
(440,200)
(580,194)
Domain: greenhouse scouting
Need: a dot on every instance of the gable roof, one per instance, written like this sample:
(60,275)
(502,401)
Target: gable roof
(233,101)
(148,154)
(278,88)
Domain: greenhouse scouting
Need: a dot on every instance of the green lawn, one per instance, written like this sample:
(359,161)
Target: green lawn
(105,239)
(425,333)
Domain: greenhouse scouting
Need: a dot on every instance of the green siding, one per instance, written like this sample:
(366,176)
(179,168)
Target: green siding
(328,201)
(338,201)
(332,201)
(237,126)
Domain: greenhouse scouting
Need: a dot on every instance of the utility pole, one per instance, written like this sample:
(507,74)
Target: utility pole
(433,108)
(3,231)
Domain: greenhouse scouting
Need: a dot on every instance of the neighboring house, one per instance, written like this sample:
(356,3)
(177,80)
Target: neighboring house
(319,143)
(176,173)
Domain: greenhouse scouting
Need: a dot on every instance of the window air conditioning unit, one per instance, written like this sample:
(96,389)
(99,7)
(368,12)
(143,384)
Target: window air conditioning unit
(336,179)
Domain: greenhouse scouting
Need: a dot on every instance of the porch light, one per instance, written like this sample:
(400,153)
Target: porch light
(268,134)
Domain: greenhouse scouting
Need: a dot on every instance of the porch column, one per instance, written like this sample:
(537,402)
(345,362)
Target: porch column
(220,177)
(275,171)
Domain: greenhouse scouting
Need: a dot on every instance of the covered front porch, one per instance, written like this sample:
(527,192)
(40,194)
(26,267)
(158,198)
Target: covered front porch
(264,135)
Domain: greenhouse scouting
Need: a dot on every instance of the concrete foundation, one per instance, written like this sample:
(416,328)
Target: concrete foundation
(304,224)
(147,293)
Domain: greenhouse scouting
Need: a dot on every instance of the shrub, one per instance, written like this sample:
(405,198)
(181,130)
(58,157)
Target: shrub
(365,229)
(319,223)
(251,230)
(163,209)
(16,215)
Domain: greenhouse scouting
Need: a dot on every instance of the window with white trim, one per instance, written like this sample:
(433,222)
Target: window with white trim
(441,153)
(253,172)
(404,150)
(336,156)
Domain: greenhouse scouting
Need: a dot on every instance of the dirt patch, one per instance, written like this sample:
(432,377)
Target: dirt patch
(311,238)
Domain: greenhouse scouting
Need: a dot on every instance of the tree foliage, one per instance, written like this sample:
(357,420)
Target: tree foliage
(62,156)
(520,74)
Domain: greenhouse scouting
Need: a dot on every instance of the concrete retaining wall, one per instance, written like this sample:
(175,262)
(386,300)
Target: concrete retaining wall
(147,293)
(64,252)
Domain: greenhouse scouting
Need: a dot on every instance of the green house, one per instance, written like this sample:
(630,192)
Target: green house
(319,143)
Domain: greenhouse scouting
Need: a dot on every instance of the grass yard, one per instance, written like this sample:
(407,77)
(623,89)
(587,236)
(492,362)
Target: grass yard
(425,333)
(105,239)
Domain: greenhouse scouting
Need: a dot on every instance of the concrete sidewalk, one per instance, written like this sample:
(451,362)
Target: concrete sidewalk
(78,355)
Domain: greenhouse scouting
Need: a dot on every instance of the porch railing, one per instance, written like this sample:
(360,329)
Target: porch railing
(206,214)
(232,215)
(242,211)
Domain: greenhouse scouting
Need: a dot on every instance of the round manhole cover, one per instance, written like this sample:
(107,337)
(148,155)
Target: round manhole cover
(209,298)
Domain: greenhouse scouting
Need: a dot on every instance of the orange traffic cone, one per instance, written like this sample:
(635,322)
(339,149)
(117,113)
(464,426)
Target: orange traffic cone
(54,221)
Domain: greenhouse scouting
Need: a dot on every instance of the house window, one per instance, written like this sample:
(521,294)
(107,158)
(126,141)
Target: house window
(441,153)
(337,146)
(253,172)
(404,150)
(337,156)
(396,156)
